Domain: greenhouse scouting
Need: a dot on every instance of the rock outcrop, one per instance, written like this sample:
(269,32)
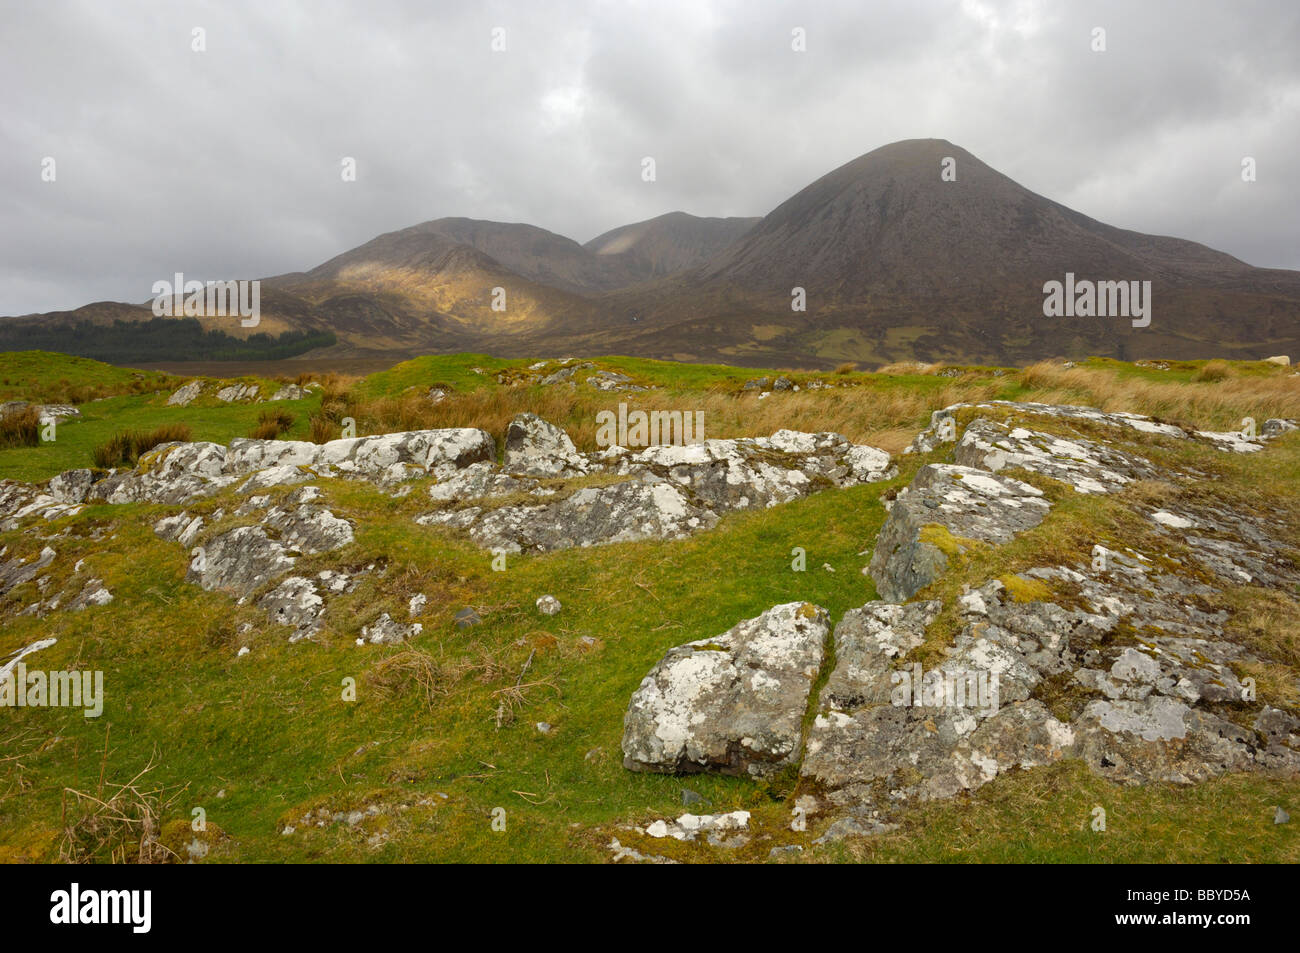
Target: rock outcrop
(940,429)
(661,492)
(622,512)
(1123,661)
(1088,466)
(668,491)
(734,703)
(942,512)
(238,393)
(535,447)
(176,473)
(184,396)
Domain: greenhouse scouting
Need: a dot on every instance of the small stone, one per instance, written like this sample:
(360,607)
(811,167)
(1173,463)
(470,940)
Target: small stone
(243,651)
(853,827)
(417,604)
(386,631)
(1280,816)
(182,397)
(545,727)
(548,605)
(467,617)
(691,797)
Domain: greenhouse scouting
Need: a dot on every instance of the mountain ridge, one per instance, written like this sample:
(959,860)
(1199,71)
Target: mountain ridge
(914,250)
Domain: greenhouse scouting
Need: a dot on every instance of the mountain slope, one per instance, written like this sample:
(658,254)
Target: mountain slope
(528,251)
(895,262)
(668,244)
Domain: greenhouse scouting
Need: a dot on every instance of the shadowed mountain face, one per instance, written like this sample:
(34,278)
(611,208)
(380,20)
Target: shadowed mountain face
(896,261)
(668,244)
(888,223)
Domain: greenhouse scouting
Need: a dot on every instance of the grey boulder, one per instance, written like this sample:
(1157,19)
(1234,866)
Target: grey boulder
(733,704)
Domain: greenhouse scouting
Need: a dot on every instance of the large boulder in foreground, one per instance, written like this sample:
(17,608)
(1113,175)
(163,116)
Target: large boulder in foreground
(944,509)
(733,704)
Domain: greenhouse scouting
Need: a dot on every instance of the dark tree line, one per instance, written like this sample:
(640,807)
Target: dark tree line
(158,339)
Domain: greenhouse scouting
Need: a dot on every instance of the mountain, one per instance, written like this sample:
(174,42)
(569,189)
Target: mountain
(526,250)
(670,243)
(425,287)
(896,261)
(620,257)
(431,286)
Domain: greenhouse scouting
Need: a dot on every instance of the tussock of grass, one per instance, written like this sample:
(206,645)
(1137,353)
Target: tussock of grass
(118,823)
(1213,371)
(126,447)
(271,424)
(21,428)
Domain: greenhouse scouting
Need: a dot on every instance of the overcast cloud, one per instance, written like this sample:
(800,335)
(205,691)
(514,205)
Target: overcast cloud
(226,163)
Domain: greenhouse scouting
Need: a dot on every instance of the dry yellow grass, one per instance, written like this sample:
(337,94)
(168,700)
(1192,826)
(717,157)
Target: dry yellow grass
(886,418)
(868,411)
(1209,403)
(1213,371)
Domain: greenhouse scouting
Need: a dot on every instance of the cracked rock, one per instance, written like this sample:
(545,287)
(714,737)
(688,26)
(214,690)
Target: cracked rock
(944,508)
(732,704)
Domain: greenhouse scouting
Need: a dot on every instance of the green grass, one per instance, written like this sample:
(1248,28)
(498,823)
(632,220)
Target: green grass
(76,438)
(44,376)
(272,732)
(457,370)
(454,369)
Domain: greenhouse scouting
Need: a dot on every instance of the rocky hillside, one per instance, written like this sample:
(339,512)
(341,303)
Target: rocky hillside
(496,638)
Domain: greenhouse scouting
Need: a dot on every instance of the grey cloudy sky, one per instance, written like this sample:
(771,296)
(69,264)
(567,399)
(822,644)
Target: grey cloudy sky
(225,163)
